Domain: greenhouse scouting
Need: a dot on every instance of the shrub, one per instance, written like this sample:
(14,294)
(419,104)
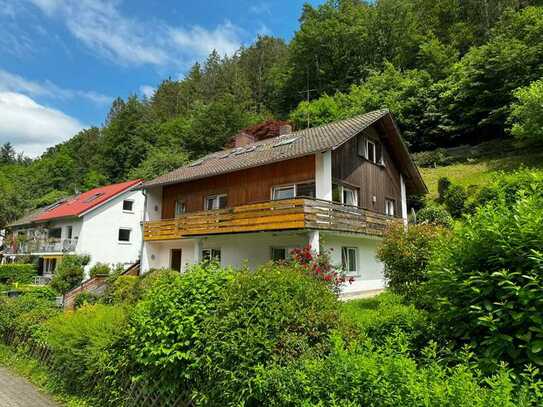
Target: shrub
(368,376)
(88,349)
(443,184)
(387,315)
(487,279)
(435,215)
(41,291)
(23,315)
(405,254)
(147,280)
(509,187)
(69,274)
(205,332)
(100,269)
(17,273)
(121,290)
(319,267)
(85,298)
(526,114)
(455,200)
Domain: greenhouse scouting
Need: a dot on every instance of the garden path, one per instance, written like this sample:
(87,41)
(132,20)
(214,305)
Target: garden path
(16,391)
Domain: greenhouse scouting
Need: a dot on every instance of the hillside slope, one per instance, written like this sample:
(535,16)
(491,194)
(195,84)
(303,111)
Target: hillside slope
(474,166)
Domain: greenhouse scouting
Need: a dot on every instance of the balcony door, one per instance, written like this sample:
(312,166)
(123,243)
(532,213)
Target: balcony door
(175,259)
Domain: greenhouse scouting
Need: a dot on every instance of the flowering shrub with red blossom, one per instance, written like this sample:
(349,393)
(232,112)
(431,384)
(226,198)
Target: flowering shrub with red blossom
(320,267)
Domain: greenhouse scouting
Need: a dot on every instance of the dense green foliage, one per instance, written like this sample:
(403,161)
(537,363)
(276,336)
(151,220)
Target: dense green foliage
(69,273)
(406,254)
(23,315)
(434,215)
(449,71)
(487,278)
(527,112)
(17,273)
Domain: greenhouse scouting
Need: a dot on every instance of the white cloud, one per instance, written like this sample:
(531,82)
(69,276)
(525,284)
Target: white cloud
(260,8)
(147,91)
(101,26)
(10,82)
(32,127)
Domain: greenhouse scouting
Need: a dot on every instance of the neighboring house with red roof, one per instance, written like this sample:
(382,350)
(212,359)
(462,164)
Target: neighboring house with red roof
(104,223)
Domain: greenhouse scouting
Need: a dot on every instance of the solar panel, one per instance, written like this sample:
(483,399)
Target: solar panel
(197,162)
(285,141)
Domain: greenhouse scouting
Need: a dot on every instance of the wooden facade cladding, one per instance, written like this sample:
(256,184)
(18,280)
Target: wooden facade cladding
(242,187)
(371,179)
(300,213)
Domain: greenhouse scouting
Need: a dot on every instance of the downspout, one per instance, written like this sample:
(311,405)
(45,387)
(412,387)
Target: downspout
(144,192)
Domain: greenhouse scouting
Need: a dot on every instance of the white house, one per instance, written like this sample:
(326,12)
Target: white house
(104,223)
(335,187)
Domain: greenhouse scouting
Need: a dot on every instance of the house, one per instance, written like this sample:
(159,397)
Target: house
(104,223)
(335,187)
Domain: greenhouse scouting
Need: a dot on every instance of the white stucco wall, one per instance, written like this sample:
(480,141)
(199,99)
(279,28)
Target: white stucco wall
(254,249)
(99,232)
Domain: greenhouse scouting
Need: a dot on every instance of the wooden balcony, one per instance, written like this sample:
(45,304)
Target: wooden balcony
(300,213)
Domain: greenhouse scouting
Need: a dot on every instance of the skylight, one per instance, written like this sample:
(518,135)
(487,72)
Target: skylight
(285,141)
(197,162)
(244,150)
(93,197)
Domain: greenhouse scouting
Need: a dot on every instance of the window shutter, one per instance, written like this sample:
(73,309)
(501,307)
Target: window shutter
(362,150)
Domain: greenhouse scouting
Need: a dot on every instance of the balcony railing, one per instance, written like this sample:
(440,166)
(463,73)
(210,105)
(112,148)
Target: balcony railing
(43,246)
(287,214)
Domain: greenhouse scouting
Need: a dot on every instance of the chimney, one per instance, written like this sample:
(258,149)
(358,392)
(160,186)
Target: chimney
(285,129)
(242,139)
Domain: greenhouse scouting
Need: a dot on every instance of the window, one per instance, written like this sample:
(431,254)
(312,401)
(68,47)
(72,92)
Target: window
(344,195)
(216,202)
(211,254)
(55,233)
(389,207)
(285,192)
(306,189)
(69,231)
(128,205)
(180,208)
(124,235)
(371,151)
(349,197)
(279,253)
(349,260)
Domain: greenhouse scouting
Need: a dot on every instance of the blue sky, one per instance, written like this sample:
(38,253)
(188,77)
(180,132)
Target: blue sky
(63,61)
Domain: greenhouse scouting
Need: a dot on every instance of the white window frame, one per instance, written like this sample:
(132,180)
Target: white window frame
(342,189)
(216,200)
(283,187)
(69,232)
(288,251)
(178,203)
(390,204)
(129,241)
(374,144)
(128,210)
(345,260)
(212,251)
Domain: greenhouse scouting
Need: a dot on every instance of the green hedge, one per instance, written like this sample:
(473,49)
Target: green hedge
(17,273)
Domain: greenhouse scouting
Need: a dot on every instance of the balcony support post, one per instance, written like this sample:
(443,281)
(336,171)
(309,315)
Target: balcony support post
(404,200)
(314,241)
(323,175)
(197,251)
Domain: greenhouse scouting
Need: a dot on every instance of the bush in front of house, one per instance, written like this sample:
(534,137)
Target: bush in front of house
(365,375)
(486,282)
(435,215)
(406,254)
(89,351)
(100,270)
(85,298)
(69,273)
(18,273)
(455,200)
(206,332)
(121,290)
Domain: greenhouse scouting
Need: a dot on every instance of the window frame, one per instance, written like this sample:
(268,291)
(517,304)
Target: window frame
(346,260)
(341,190)
(131,210)
(374,144)
(69,232)
(129,241)
(212,251)
(178,203)
(283,187)
(216,199)
(387,202)
(49,236)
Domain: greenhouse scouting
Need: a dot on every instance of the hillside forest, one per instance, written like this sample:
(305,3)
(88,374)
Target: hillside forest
(451,72)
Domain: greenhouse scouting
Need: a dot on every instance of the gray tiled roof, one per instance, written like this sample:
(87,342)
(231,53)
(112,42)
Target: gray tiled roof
(307,141)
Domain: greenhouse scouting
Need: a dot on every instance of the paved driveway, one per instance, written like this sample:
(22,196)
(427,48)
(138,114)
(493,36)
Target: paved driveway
(18,392)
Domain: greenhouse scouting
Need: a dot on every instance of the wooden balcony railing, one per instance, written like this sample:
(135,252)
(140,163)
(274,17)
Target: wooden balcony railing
(300,213)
